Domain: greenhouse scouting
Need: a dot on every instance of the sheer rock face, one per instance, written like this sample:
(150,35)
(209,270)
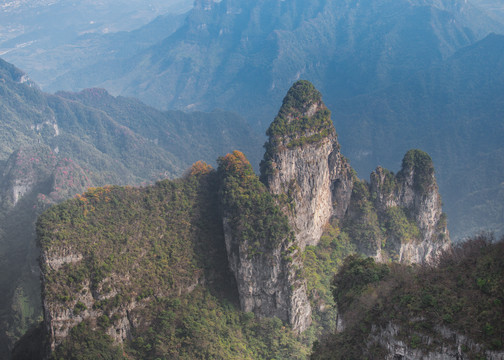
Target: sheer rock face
(303,163)
(415,190)
(311,181)
(267,283)
(261,252)
(61,317)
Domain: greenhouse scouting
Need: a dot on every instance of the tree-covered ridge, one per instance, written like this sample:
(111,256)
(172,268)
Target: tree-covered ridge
(253,211)
(9,72)
(128,240)
(156,256)
(121,140)
(463,294)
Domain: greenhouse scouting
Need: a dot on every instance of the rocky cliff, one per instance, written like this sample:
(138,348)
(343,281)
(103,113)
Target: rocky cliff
(113,255)
(410,207)
(307,182)
(126,260)
(396,217)
(261,248)
(445,345)
(399,216)
(144,271)
(304,165)
(414,189)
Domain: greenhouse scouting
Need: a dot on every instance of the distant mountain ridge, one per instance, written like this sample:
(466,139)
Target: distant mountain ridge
(260,48)
(49,53)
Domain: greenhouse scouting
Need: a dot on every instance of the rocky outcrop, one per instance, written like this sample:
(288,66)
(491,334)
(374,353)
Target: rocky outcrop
(260,246)
(313,183)
(415,191)
(268,283)
(267,222)
(65,312)
(303,164)
(310,182)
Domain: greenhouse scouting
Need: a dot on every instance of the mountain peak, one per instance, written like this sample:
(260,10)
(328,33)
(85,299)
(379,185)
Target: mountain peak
(303,162)
(300,98)
(303,114)
(420,164)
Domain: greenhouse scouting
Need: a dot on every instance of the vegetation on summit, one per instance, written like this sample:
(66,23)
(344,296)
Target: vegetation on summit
(421,164)
(293,119)
(302,119)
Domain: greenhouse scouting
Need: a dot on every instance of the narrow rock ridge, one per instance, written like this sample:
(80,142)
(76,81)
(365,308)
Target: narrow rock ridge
(303,164)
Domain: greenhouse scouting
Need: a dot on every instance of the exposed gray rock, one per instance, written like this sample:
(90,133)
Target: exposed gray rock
(60,316)
(312,181)
(268,283)
(414,189)
(261,248)
(304,175)
(451,347)
(306,166)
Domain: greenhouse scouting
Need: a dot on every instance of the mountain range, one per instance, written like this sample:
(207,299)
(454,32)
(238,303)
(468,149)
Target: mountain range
(260,48)
(397,75)
(411,62)
(225,263)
